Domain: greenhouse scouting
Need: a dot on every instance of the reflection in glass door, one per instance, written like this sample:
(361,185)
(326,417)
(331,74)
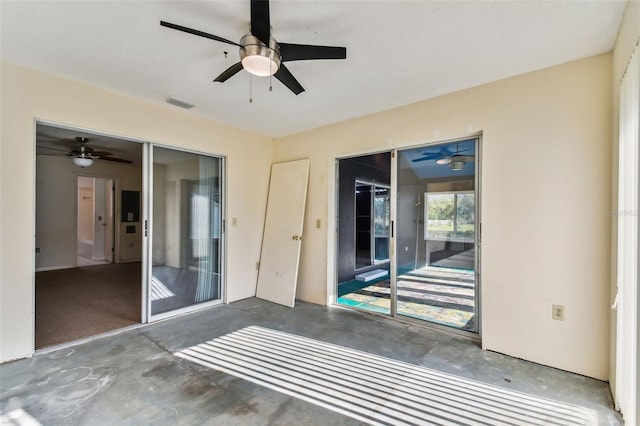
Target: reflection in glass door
(186,231)
(363,262)
(436,234)
(372,224)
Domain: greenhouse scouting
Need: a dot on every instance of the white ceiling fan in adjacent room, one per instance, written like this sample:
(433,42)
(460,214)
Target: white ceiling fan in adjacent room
(444,156)
(81,154)
(456,161)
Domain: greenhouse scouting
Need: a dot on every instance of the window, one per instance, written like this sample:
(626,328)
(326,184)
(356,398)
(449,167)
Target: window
(450,216)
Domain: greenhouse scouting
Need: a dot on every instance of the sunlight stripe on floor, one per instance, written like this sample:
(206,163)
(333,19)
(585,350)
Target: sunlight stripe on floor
(159,290)
(18,417)
(371,388)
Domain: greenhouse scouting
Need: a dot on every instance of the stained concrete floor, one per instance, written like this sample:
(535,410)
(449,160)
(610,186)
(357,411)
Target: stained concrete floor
(133,378)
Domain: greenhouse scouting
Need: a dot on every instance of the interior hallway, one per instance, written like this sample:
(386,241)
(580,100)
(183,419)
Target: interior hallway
(79,302)
(135,378)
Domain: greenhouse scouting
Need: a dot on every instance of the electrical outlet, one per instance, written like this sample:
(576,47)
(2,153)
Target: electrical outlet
(318,223)
(234,221)
(557,312)
(257,266)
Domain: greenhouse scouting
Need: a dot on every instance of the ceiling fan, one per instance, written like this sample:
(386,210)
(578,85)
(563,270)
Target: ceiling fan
(84,155)
(455,160)
(261,54)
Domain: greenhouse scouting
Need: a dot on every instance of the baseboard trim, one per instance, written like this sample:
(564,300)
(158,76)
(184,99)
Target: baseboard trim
(54,268)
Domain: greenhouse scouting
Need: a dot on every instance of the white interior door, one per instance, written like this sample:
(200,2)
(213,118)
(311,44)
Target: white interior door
(278,275)
(99,220)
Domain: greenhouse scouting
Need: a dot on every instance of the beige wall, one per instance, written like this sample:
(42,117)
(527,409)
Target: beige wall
(546,185)
(628,37)
(28,95)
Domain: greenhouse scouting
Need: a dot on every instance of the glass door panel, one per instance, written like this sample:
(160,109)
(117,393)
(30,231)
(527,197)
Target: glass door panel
(436,239)
(363,268)
(186,230)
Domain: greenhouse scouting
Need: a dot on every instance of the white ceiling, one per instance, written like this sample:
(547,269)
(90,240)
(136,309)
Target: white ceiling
(398,52)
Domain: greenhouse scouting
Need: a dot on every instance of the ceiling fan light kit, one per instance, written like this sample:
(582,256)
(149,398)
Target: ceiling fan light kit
(258,58)
(82,161)
(457,165)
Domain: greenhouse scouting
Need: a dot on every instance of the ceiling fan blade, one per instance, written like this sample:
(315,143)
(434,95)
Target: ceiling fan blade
(303,52)
(229,72)
(428,156)
(101,153)
(260,21)
(417,160)
(197,32)
(116,160)
(65,151)
(48,154)
(286,78)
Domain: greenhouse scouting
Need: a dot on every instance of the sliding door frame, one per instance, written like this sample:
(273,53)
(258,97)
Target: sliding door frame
(332,246)
(147,202)
(148,235)
(393,230)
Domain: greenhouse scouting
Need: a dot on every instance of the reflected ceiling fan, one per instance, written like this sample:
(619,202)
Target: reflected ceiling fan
(455,160)
(261,54)
(84,155)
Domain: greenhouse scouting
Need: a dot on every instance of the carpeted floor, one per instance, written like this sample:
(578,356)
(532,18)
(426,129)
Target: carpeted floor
(81,302)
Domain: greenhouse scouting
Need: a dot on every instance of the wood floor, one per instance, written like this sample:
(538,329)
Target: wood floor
(81,302)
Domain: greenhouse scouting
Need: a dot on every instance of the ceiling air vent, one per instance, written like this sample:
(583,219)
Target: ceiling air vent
(179,103)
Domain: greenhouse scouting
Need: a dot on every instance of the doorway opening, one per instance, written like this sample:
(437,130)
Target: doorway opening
(95,230)
(88,259)
(407,243)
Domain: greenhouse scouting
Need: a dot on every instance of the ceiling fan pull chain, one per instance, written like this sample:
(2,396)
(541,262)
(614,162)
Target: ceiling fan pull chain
(250,88)
(270,76)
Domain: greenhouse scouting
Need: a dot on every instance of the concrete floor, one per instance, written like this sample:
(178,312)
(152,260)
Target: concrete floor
(133,378)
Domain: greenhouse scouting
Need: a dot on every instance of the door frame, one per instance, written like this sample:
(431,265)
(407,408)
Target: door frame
(71,127)
(145,203)
(333,183)
(115,212)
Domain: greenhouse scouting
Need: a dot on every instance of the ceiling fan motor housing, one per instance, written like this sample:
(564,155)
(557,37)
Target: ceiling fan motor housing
(258,58)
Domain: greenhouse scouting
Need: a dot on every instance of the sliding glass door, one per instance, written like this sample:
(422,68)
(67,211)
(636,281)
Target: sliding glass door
(436,234)
(407,240)
(186,231)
